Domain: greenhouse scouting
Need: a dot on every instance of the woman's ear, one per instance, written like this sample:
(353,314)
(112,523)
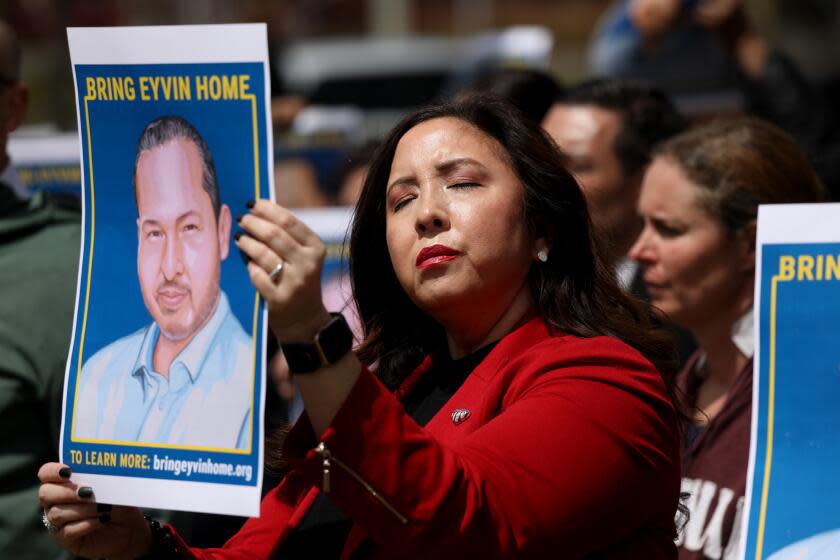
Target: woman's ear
(541,249)
(543,242)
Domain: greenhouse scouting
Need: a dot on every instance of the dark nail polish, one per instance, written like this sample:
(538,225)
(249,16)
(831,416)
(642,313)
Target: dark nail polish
(239,218)
(104,518)
(245,258)
(250,204)
(237,236)
(85,492)
(64,472)
(103,508)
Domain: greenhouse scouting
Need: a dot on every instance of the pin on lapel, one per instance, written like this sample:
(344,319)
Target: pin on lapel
(459,415)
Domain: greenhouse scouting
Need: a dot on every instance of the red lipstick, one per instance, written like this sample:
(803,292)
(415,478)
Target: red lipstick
(435,254)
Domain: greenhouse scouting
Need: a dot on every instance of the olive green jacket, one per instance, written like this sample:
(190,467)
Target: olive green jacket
(39,255)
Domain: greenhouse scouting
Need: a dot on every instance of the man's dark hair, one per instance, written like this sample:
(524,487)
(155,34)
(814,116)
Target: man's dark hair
(648,116)
(168,128)
(10,55)
(531,91)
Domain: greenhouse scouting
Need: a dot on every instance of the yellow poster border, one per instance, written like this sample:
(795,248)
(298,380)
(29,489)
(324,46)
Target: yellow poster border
(771,400)
(252,98)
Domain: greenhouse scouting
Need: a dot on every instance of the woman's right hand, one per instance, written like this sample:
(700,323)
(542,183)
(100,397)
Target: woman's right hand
(83,527)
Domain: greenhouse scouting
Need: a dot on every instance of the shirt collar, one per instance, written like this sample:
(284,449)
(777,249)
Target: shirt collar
(743,334)
(191,358)
(10,177)
(625,271)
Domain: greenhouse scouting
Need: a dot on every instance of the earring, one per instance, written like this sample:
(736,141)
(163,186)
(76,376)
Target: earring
(542,255)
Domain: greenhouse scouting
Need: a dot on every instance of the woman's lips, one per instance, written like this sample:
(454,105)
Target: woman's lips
(654,287)
(435,255)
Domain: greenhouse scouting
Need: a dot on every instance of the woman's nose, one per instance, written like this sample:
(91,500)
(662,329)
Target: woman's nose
(641,249)
(432,214)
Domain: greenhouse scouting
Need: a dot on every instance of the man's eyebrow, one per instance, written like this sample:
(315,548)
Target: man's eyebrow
(185,215)
(148,222)
(576,158)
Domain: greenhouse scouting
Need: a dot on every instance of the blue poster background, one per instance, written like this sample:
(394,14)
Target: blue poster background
(796,485)
(115,307)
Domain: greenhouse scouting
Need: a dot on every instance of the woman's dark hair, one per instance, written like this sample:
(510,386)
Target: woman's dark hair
(573,291)
(742,162)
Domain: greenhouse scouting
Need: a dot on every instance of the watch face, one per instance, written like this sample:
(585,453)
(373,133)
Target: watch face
(302,358)
(333,342)
(336,339)
(309,358)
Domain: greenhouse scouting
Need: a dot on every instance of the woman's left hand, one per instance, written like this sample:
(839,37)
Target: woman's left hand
(296,311)
(274,236)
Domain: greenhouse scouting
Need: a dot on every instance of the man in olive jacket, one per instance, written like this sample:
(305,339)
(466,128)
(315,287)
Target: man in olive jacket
(39,254)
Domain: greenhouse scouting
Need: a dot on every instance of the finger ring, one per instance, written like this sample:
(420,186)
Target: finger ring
(275,273)
(52,528)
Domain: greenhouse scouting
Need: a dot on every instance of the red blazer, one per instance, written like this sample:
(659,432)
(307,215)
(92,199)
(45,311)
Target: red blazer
(554,447)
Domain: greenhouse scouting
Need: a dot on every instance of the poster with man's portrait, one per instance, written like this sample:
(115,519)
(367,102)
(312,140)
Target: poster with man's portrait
(165,381)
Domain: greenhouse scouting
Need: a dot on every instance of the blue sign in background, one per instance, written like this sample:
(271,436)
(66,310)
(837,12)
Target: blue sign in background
(115,307)
(804,467)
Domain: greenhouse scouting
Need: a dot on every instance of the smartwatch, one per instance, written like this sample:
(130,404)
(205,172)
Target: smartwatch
(330,344)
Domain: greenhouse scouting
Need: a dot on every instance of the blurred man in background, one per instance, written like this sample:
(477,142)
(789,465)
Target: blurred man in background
(14,101)
(607,130)
(39,253)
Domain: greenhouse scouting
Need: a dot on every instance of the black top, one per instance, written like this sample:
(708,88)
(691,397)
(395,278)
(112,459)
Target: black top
(324,528)
(692,432)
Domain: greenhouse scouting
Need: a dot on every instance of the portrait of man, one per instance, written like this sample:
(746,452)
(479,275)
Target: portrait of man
(185,379)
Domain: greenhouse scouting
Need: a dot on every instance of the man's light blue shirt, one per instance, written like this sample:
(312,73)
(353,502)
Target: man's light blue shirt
(206,401)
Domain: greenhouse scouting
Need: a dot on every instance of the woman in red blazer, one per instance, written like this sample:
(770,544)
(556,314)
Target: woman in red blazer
(516,410)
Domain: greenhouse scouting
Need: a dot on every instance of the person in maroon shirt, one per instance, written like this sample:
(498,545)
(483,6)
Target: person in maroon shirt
(699,203)
(516,411)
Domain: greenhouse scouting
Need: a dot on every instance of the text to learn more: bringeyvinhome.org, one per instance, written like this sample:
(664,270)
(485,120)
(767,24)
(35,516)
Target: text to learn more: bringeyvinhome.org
(187,468)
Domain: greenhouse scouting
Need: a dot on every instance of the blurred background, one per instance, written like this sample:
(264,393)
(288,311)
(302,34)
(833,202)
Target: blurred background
(343,71)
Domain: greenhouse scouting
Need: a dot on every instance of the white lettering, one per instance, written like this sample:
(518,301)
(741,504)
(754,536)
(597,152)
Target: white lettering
(698,506)
(714,528)
(703,532)
(734,544)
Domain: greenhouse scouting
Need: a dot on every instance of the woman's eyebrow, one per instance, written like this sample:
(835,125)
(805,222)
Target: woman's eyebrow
(452,164)
(442,168)
(406,180)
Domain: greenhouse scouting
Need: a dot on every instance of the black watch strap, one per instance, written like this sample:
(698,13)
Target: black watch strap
(164,545)
(330,345)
